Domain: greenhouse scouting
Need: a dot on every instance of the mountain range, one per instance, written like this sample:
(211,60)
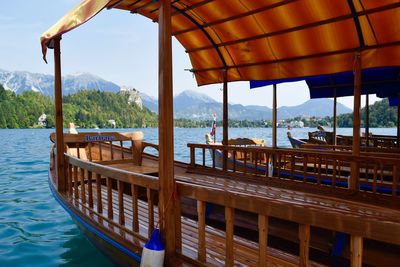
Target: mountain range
(188,104)
(197,106)
(20,81)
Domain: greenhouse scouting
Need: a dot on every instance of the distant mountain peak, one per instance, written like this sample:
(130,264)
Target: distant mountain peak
(20,81)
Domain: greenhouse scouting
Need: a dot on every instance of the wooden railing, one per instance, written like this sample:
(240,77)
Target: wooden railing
(85,181)
(375,150)
(234,204)
(379,141)
(100,191)
(377,174)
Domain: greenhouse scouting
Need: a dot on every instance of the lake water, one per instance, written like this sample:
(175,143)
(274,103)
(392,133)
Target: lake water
(35,230)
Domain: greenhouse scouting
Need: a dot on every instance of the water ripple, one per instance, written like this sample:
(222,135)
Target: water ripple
(34,229)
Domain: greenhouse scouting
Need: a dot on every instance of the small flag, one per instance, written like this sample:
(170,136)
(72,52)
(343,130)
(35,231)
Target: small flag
(214,125)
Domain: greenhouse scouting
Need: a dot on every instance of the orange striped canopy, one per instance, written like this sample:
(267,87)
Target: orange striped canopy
(267,39)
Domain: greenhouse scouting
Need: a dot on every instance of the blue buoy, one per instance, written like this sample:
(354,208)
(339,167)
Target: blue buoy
(154,251)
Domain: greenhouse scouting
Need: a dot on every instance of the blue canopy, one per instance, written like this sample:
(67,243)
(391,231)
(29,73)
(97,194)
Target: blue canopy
(393,101)
(383,81)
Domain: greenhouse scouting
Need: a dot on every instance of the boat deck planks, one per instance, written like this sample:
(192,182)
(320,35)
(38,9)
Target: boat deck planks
(245,251)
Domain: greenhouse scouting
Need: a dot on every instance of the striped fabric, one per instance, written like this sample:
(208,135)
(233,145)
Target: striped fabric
(81,13)
(276,39)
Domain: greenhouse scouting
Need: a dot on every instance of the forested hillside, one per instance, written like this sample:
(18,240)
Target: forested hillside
(87,109)
(380,115)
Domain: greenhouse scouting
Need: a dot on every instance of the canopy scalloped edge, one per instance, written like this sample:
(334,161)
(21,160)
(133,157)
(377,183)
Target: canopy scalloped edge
(77,16)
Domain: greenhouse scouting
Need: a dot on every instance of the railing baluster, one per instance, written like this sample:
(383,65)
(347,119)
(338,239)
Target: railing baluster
(319,169)
(262,240)
(213,158)
(304,238)
(245,161)
(375,178)
(111,150)
(204,157)
(292,165)
(229,219)
(78,152)
(90,151)
(234,161)
(334,173)
(121,144)
(76,191)
(255,161)
(70,183)
(83,191)
(192,156)
(356,251)
(100,151)
(305,162)
(201,211)
(394,180)
(278,164)
(110,211)
(90,191)
(135,211)
(99,195)
(178,224)
(121,213)
(150,210)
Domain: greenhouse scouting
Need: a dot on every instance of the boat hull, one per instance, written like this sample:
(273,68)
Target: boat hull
(116,252)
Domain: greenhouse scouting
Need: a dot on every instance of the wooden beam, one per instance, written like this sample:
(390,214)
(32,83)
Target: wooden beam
(334,116)
(225,118)
(356,251)
(60,174)
(165,129)
(274,117)
(356,122)
(367,120)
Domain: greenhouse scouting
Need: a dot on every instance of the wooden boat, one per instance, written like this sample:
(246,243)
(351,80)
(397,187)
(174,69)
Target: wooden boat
(118,194)
(320,137)
(87,205)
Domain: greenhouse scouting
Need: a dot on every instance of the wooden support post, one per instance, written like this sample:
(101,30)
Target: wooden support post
(262,240)
(304,238)
(229,230)
(274,117)
(225,119)
(165,129)
(334,116)
(60,174)
(367,120)
(353,183)
(201,213)
(136,152)
(356,250)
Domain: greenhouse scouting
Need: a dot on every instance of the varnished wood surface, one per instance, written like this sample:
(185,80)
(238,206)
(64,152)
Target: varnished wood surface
(245,251)
(300,207)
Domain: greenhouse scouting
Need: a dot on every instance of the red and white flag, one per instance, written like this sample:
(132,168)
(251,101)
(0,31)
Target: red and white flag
(214,125)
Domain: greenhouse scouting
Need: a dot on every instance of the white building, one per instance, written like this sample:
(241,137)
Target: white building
(42,121)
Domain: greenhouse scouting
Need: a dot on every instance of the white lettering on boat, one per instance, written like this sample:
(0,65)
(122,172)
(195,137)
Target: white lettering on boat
(97,138)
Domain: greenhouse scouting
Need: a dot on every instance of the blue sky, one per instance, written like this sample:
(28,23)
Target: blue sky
(117,46)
